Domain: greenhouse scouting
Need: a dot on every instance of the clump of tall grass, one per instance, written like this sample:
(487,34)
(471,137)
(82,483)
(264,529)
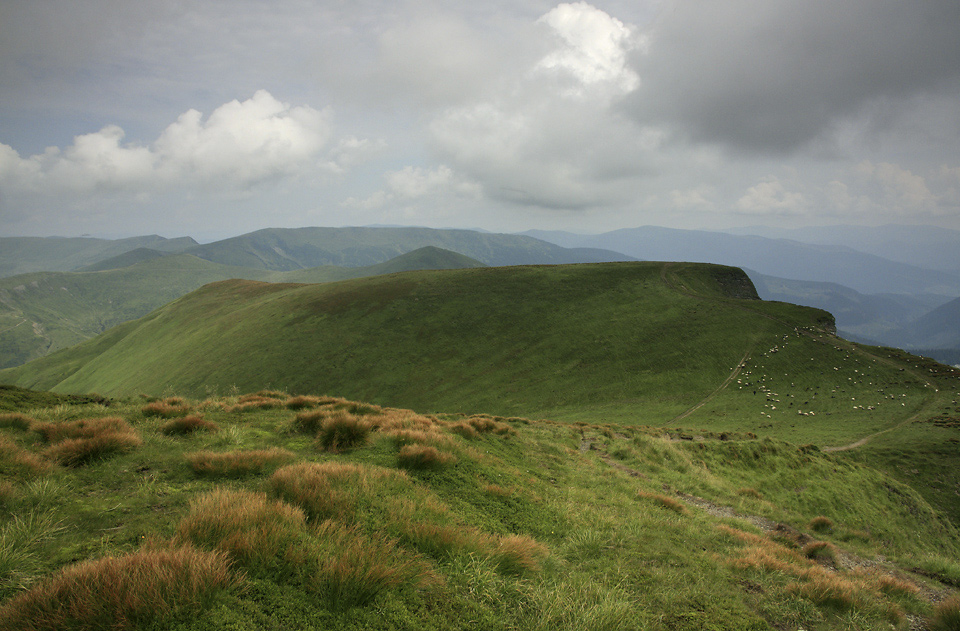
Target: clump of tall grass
(420,457)
(255,530)
(20,539)
(188,425)
(170,407)
(670,503)
(333,489)
(16,420)
(341,564)
(481,424)
(821,524)
(78,442)
(430,436)
(342,431)
(946,615)
(17,462)
(237,463)
(7,492)
(122,592)
(389,501)
(301,402)
(819,550)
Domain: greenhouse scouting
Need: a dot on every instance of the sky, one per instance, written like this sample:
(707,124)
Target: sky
(212,118)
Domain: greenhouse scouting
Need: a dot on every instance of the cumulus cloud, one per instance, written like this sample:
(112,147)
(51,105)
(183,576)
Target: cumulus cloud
(595,47)
(772,75)
(770,197)
(240,145)
(900,189)
(412,183)
(553,138)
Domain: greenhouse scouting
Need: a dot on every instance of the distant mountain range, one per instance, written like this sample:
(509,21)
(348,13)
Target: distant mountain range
(890,285)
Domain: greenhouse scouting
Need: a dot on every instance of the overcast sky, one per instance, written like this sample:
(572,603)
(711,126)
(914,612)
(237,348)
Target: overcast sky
(211,118)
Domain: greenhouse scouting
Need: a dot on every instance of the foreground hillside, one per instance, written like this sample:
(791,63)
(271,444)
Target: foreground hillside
(272,511)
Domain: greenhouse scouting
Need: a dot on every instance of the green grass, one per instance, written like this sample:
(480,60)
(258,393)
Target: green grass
(523,530)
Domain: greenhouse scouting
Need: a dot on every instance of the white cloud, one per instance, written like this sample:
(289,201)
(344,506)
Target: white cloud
(771,197)
(412,183)
(240,145)
(595,46)
(901,190)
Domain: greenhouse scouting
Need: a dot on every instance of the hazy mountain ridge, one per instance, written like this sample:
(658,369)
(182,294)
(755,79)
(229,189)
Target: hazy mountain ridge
(22,255)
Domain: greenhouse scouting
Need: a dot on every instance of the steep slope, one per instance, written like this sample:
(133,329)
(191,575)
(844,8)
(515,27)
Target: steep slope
(22,255)
(43,312)
(299,248)
(940,328)
(784,258)
(877,317)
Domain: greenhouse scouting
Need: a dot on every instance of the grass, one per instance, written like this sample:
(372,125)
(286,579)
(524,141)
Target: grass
(237,463)
(80,442)
(341,431)
(188,425)
(946,615)
(419,457)
(121,592)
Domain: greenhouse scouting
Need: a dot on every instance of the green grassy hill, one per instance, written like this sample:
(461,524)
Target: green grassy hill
(614,447)
(46,311)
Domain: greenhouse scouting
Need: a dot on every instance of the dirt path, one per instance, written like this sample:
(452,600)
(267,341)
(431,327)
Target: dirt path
(844,559)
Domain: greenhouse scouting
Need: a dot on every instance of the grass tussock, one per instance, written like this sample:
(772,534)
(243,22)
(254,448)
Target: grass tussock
(483,424)
(171,407)
(17,462)
(253,529)
(20,540)
(749,492)
(302,402)
(946,615)
(665,501)
(79,442)
(122,592)
(342,431)
(188,425)
(16,420)
(331,490)
(342,565)
(431,436)
(819,550)
(821,524)
(237,463)
(421,457)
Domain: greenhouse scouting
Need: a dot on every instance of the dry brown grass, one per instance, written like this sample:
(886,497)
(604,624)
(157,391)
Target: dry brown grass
(20,463)
(341,431)
(188,425)
(170,407)
(122,592)
(665,501)
(333,489)
(821,524)
(418,457)
(7,491)
(237,463)
(819,550)
(302,402)
(484,424)
(248,525)
(749,492)
(78,442)
(16,420)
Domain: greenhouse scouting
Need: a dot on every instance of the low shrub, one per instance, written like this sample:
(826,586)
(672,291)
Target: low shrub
(237,463)
(420,457)
(946,615)
(125,592)
(342,431)
(669,503)
(821,524)
(188,425)
(16,420)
